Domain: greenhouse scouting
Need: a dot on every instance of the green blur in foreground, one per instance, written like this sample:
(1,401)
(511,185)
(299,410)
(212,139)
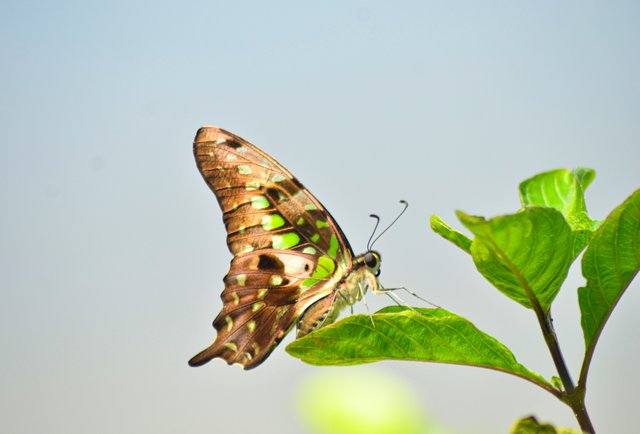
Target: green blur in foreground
(361,401)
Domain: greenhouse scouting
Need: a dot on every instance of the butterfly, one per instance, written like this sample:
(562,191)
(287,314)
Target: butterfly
(292,264)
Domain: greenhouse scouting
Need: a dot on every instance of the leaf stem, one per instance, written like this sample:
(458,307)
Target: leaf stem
(551,340)
(572,396)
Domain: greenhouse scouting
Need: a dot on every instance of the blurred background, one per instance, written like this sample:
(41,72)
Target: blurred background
(112,248)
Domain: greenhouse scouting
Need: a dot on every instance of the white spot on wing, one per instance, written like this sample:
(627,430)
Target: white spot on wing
(294,265)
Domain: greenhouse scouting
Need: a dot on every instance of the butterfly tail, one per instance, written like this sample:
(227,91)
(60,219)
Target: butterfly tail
(247,334)
(205,356)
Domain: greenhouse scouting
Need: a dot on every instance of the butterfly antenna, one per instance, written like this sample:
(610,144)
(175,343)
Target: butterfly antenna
(406,205)
(373,216)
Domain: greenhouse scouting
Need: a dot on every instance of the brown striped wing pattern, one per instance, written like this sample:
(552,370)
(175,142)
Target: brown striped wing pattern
(288,252)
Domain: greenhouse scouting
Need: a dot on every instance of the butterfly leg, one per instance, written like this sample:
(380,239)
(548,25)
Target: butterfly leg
(345,299)
(364,300)
(390,291)
(393,296)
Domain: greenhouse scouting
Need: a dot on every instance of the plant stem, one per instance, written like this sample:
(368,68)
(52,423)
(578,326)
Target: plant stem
(572,396)
(580,411)
(554,348)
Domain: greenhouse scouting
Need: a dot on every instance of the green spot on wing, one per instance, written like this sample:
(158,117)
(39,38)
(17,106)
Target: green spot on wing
(252,185)
(333,247)
(275,280)
(325,267)
(285,241)
(315,238)
(277,178)
(251,326)
(272,221)
(300,221)
(310,207)
(259,202)
(244,170)
(321,224)
(308,283)
(231,345)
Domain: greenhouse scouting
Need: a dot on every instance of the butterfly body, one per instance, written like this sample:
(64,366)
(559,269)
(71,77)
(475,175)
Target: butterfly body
(349,291)
(292,263)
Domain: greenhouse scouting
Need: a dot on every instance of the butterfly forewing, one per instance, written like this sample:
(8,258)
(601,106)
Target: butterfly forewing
(288,251)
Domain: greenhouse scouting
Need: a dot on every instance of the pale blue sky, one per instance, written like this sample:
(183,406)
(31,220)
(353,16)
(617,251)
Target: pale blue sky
(112,248)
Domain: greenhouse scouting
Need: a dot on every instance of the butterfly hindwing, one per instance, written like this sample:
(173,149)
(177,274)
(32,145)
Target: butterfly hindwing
(289,253)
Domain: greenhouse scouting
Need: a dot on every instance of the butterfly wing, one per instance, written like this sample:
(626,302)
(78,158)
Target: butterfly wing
(288,252)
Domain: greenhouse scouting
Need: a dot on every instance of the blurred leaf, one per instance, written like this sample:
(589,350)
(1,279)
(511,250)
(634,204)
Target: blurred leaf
(445,231)
(361,401)
(428,335)
(524,255)
(609,265)
(530,425)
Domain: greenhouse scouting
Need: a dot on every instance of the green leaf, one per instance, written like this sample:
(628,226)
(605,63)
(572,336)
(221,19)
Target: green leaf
(585,176)
(445,231)
(525,255)
(530,425)
(609,265)
(557,382)
(563,190)
(427,335)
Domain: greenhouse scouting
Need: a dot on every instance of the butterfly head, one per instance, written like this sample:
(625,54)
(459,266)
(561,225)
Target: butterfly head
(371,260)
